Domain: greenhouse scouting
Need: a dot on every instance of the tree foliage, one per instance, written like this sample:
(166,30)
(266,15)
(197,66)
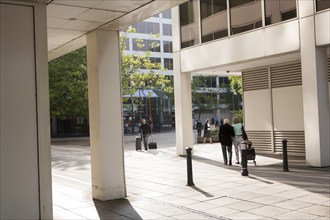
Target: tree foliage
(204,99)
(236,84)
(68,85)
(138,69)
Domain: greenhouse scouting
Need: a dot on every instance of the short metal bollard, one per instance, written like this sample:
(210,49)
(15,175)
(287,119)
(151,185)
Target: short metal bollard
(285,155)
(189,167)
(244,170)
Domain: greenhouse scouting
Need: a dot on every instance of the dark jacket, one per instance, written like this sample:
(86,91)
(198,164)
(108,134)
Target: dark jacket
(145,128)
(226,133)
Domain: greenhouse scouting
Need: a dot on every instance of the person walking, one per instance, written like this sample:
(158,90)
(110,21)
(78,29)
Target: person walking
(145,131)
(238,137)
(207,131)
(226,134)
(199,127)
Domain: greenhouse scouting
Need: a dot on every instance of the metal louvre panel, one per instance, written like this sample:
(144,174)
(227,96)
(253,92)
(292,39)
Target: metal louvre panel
(286,75)
(296,142)
(261,140)
(328,69)
(255,79)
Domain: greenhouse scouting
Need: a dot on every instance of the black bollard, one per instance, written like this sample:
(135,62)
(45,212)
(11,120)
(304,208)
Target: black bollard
(244,170)
(189,167)
(285,155)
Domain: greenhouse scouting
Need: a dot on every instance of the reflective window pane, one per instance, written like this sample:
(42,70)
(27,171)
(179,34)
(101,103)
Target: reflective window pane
(213,19)
(167,29)
(167,14)
(322,5)
(189,23)
(279,10)
(167,47)
(245,15)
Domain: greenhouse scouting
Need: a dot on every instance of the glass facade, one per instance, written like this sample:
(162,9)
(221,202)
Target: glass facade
(146,45)
(167,47)
(213,19)
(189,24)
(322,5)
(279,10)
(147,28)
(245,15)
(168,63)
(167,14)
(167,29)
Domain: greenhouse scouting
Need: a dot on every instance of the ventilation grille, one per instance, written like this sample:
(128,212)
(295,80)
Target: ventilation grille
(261,140)
(329,69)
(296,142)
(286,75)
(255,79)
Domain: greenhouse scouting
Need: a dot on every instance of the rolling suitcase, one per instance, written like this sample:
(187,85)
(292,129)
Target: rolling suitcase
(152,144)
(138,143)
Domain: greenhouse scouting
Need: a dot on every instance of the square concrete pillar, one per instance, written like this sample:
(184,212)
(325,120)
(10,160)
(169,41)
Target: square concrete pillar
(315,95)
(105,115)
(183,108)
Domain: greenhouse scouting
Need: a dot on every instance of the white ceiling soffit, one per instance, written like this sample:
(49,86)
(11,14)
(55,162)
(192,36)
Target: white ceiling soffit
(69,21)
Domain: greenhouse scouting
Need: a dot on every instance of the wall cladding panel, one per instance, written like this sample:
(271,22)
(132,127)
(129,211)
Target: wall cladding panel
(261,140)
(296,142)
(255,79)
(286,75)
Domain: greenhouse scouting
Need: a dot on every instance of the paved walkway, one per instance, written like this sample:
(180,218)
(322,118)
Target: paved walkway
(156,186)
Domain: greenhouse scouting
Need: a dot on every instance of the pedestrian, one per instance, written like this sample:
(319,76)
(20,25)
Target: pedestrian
(226,134)
(207,131)
(145,131)
(199,127)
(238,137)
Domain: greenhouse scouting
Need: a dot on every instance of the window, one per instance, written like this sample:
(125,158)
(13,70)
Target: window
(213,19)
(167,29)
(147,45)
(168,63)
(154,60)
(322,5)
(245,15)
(167,14)
(279,10)
(147,28)
(189,23)
(167,47)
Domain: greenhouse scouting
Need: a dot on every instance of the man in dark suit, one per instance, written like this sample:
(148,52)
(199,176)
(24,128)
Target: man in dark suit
(226,134)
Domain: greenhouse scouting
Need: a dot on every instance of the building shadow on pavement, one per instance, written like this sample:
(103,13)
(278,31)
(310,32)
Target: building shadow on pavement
(316,180)
(116,209)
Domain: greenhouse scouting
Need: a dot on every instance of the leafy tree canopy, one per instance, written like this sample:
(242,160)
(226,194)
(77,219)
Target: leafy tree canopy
(236,84)
(68,85)
(139,71)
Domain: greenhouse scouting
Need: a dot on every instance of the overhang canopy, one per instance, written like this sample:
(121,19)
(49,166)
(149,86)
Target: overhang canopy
(68,21)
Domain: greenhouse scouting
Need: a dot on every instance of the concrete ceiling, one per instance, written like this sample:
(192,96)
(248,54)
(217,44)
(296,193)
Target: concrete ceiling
(69,21)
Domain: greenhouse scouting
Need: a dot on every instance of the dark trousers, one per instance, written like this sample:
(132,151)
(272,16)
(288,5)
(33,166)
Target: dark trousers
(224,153)
(199,132)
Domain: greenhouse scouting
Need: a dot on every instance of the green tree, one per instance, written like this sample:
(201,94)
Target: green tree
(203,102)
(236,85)
(68,85)
(138,69)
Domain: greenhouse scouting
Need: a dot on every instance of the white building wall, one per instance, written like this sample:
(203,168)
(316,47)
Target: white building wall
(25,161)
(273,113)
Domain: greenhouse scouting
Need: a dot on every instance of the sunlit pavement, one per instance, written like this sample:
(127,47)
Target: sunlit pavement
(156,185)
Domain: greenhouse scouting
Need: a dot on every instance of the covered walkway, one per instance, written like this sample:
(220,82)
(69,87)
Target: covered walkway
(156,186)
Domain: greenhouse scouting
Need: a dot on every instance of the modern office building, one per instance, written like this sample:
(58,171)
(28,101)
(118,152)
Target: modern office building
(282,49)
(268,41)
(32,33)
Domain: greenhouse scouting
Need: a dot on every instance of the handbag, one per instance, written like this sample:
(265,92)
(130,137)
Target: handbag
(244,135)
(152,144)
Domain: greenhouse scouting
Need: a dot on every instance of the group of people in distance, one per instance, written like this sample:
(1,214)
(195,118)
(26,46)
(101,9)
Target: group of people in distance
(228,135)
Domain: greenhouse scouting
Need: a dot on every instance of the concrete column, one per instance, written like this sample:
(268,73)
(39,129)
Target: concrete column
(182,93)
(105,115)
(315,93)
(183,108)
(25,162)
